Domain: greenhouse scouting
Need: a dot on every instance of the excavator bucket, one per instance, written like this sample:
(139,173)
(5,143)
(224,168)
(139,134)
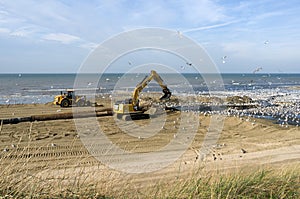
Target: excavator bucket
(167,95)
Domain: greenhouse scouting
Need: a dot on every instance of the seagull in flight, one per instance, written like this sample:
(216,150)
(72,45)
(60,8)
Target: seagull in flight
(257,70)
(223,59)
(190,64)
(179,33)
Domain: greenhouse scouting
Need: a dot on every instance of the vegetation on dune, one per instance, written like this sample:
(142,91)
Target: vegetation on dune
(258,184)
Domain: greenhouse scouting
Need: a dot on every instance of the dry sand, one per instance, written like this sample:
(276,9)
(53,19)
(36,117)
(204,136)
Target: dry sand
(52,149)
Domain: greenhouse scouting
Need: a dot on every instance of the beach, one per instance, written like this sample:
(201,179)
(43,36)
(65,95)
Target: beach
(139,99)
(245,126)
(53,151)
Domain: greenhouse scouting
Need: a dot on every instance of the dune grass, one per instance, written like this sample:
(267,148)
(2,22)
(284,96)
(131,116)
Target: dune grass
(256,184)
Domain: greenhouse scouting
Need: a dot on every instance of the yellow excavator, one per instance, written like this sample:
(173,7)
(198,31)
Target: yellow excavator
(129,108)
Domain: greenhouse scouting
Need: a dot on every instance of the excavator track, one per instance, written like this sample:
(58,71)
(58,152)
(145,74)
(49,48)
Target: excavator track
(138,116)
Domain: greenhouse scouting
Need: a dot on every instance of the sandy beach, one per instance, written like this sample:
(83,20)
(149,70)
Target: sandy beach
(169,99)
(49,151)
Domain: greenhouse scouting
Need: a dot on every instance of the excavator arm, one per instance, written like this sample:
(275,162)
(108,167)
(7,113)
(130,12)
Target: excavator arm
(144,83)
(129,108)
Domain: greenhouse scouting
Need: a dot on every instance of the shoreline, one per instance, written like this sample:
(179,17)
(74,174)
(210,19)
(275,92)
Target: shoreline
(282,112)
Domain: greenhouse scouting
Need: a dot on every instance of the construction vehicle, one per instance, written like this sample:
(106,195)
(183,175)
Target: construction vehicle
(69,98)
(130,108)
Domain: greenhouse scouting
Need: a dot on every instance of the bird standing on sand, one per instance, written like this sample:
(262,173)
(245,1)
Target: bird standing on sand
(243,151)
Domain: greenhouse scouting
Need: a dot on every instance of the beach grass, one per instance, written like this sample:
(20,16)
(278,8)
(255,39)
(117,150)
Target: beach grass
(262,183)
(255,184)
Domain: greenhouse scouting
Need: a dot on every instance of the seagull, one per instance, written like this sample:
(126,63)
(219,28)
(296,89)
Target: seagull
(257,70)
(266,42)
(223,59)
(243,151)
(179,33)
(215,158)
(53,145)
(190,64)
(129,62)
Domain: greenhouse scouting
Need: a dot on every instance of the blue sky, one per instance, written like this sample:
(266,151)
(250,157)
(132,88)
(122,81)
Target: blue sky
(55,36)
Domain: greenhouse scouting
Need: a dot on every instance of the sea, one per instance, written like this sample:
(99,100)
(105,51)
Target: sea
(41,88)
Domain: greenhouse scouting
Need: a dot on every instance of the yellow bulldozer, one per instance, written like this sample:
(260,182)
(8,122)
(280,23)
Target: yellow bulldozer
(69,98)
(129,108)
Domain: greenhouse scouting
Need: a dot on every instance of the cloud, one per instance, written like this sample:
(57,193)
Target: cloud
(90,18)
(89,45)
(4,30)
(202,11)
(236,28)
(211,27)
(61,37)
(168,14)
(31,32)
(20,33)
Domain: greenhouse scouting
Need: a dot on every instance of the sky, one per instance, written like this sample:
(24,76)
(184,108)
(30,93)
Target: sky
(56,36)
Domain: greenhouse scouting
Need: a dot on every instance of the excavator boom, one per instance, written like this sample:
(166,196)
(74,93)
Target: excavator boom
(144,83)
(129,109)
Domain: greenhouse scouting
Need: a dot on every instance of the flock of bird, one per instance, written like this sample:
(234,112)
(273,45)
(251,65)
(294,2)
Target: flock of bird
(281,111)
(284,114)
